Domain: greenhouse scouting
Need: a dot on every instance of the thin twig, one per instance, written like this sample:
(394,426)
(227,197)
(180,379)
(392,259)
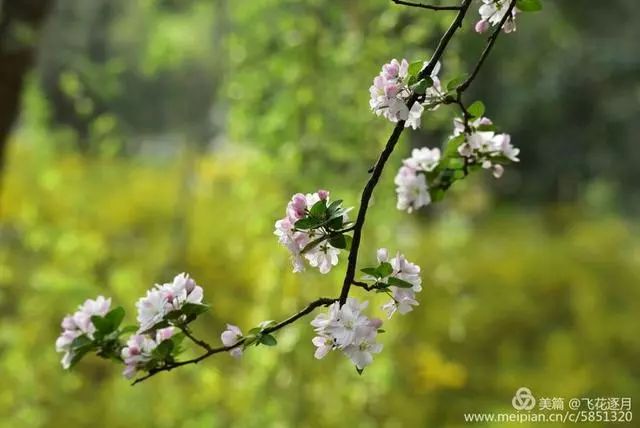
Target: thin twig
(194,339)
(425,6)
(323,301)
(384,156)
(492,39)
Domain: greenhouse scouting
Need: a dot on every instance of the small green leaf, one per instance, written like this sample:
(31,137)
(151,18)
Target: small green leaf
(476,109)
(318,209)
(348,240)
(400,283)
(102,324)
(163,350)
(115,317)
(529,5)
(255,330)
(268,340)
(487,128)
(456,163)
(338,242)
(336,223)
(451,148)
(422,85)
(371,271)
(415,68)
(128,329)
(194,309)
(307,223)
(334,206)
(385,269)
(453,83)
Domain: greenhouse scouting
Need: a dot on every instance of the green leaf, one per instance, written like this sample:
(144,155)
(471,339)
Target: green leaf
(415,68)
(338,242)
(334,206)
(476,109)
(487,128)
(163,350)
(400,283)
(453,83)
(451,149)
(319,209)
(128,329)
(194,309)
(349,240)
(115,317)
(80,342)
(307,223)
(455,163)
(268,340)
(336,223)
(421,86)
(371,271)
(385,269)
(102,325)
(529,5)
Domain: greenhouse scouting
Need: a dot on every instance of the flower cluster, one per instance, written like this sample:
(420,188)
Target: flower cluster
(346,328)
(138,354)
(483,146)
(166,298)
(80,324)
(492,12)
(312,229)
(397,277)
(411,182)
(395,84)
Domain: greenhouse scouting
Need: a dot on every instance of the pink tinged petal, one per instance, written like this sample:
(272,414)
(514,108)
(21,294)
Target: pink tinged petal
(481,26)
(236,352)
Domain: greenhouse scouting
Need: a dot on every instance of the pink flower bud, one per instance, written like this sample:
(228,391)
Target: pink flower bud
(375,323)
(323,194)
(482,26)
(485,121)
(164,334)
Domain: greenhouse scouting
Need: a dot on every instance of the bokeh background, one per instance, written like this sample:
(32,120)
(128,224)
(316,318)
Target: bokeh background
(159,136)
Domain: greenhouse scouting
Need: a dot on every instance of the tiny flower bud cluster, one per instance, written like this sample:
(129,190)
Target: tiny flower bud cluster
(347,329)
(492,12)
(391,91)
(482,146)
(79,324)
(308,221)
(411,182)
(138,352)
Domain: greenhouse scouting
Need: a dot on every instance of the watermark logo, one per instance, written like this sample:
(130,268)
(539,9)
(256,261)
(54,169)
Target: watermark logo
(524,399)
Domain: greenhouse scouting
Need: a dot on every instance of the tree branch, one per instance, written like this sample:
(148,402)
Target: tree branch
(492,39)
(384,156)
(323,301)
(425,6)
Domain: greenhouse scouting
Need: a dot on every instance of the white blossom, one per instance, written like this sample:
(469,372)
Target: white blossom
(323,256)
(486,148)
(78,324)
(347,329)
(390,94)
(165,298)
(491,14)
(230,337)
(411,189)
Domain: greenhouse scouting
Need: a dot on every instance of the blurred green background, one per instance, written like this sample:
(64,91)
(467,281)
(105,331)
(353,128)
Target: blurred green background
(161,136)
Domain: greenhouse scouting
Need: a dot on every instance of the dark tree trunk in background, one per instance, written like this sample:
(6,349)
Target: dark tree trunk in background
(20,24)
